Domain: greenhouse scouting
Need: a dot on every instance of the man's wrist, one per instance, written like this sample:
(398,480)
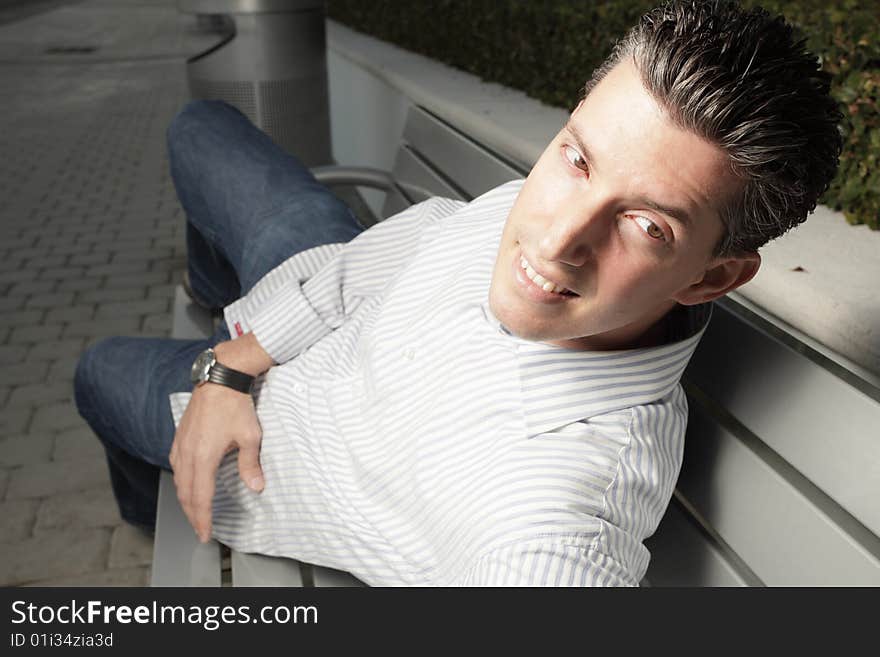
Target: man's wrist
(243,354)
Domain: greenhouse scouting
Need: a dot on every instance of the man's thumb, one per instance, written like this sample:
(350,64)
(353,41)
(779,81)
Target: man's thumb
(249,469)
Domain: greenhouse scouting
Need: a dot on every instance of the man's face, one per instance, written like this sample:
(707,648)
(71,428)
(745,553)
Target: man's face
(621,209)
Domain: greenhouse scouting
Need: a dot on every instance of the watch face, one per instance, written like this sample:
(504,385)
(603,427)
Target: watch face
(202,366)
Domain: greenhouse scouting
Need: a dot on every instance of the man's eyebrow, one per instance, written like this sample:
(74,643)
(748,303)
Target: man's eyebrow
(585,151)
(679,214)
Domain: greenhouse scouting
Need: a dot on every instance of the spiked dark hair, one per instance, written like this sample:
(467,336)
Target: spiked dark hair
(739,79)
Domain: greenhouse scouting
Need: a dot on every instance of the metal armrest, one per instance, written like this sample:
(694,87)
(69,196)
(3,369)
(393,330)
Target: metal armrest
(357,176)
(369,177)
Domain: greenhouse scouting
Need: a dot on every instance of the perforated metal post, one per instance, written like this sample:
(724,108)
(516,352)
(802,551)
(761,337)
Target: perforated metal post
(273,67)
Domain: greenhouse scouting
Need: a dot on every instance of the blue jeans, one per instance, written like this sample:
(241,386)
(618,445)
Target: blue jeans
(249,206)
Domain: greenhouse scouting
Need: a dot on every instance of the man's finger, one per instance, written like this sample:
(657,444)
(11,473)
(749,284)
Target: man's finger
(183,483)
(249,469)
(204,475)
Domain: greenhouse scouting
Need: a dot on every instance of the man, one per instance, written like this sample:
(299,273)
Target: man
(482,393)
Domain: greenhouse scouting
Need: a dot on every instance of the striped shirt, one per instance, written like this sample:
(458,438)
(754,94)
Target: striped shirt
(409,439)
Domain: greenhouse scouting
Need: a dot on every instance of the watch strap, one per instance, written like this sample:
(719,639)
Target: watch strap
(230,378)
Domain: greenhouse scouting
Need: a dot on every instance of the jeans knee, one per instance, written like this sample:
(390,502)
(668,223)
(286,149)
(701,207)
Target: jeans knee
(196,115)
(89,375)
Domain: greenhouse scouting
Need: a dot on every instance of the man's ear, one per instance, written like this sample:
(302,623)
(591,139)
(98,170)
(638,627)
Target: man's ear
(723,275)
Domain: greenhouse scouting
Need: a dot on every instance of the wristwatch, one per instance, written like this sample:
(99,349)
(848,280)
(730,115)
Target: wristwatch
(206,369)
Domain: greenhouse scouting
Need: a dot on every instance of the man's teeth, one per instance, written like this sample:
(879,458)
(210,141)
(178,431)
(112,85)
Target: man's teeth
(540,281)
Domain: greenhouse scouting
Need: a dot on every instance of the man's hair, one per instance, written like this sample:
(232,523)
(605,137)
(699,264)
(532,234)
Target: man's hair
(738,79)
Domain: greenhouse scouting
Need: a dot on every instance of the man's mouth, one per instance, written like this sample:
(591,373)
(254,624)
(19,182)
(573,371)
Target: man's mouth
(544,283)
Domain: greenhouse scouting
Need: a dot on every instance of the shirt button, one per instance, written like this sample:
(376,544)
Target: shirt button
(299,388)
(409,354)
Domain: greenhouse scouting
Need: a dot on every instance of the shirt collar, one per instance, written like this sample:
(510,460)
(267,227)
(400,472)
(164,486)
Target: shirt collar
(560,386)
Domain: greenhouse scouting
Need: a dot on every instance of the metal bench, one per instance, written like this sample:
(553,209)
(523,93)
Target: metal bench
(780,479)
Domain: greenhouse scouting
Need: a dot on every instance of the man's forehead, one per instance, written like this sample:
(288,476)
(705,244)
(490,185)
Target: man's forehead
(680,173)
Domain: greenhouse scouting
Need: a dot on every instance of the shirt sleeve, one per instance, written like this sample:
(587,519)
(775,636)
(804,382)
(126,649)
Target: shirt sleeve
(547,563)
(310,294)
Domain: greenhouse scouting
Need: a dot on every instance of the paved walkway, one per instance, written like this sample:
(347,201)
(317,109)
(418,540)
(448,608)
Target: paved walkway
(91,244)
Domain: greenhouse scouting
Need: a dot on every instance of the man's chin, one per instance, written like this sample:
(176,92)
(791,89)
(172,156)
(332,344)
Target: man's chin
(525,329)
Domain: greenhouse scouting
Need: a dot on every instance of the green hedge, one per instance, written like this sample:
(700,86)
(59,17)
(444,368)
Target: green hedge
(548,49)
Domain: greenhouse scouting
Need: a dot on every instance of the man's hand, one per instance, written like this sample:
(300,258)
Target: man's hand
(217,421)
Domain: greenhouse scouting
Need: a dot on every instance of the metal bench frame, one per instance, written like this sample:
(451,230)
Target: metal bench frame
(779,484)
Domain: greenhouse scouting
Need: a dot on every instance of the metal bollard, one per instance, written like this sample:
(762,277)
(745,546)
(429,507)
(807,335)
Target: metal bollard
(273,67)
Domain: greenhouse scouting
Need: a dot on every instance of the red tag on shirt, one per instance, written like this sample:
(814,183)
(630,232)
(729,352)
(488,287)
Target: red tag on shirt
(238,330)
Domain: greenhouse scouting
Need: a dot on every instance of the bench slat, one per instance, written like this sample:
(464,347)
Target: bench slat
(261,570)
(408,166)
(468,165)
(179,559)
(682,555)
(330,577)
(822,425)
(776,520)
(189,322)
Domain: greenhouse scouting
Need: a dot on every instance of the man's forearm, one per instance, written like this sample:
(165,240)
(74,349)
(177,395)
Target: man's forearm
(244,354)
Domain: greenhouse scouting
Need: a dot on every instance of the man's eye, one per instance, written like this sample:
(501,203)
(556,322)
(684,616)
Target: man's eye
(650,227)
(575,158)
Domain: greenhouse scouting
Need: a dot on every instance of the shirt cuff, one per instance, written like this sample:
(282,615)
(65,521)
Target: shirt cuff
(286,325)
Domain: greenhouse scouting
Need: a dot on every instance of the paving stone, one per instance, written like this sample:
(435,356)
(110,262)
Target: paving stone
(62,369)
(131,308)
(165,291)
(139,577)
(4,482)
(130,546)
(22,449)
(100,258)
(57,478)
(71,250)
(55,349)
(27,317)
(17,520)
(19,243)
(140,257)
(10,303)
(57,416)
(79,313)
(171,264)
(53,300)
(62,273)
(15,420)
(29,252)
(77,443)
(171,242)
(142,251)
(119,269)
(95,507)
(144,279)
(103,327)
(23,373)
(46,261)
(84,284)
(10,262)
(55,555)
(37,394)
(12,353)
(16,276)
(32,287)
(114,294)
(34,334)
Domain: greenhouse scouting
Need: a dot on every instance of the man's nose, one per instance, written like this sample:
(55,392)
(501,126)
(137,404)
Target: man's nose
(573,236)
